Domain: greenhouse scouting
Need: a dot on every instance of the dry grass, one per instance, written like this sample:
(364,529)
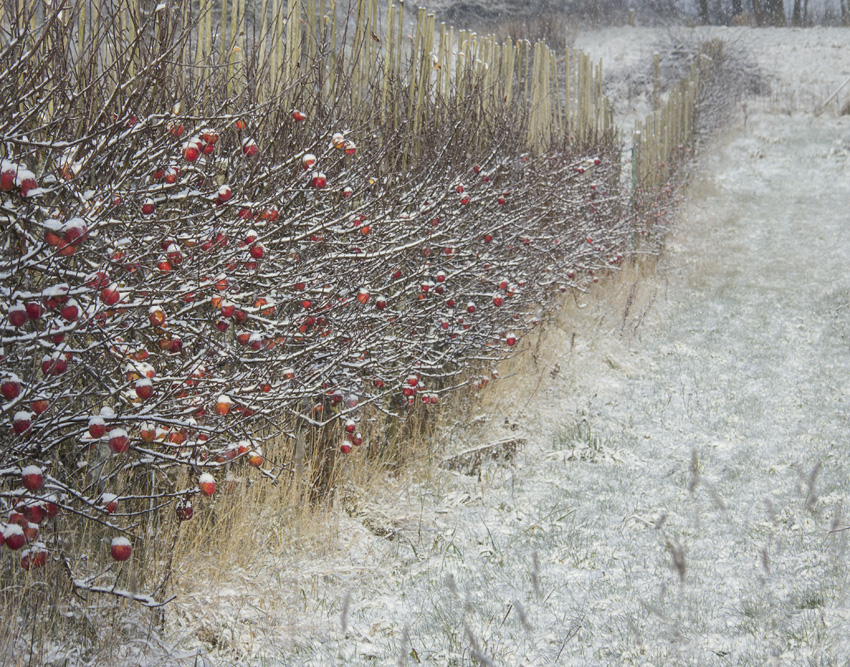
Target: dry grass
(619,302)
(270,550)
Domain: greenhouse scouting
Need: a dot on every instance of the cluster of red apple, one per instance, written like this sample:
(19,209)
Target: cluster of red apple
(20,533)
(15,177)
(244,290)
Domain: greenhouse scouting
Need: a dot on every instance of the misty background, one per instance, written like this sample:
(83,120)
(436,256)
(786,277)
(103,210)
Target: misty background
(647,12)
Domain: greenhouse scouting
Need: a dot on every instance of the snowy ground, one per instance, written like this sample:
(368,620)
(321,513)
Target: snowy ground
(687,453)
(802,68)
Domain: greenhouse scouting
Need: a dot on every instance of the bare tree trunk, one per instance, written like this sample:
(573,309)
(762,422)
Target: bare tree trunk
(797,15)
(703,11)
(737,7)
(805,12)
(775,11)
(757,12)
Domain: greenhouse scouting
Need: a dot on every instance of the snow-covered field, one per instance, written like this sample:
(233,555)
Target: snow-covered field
(684,486)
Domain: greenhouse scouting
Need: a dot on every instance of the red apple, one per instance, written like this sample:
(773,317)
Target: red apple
(249,147)
(32,478)
(227,309)
(147,432)
(118,441)
(109,502)
(120,548)
(54,365)
(39,405)
(345,447)
(223,194)
(156,316)
(223,405)
(175,128)
(51,508)
(18,315)
(318,180)
(14,536)
(25,180)
(22,422)
(297,116)
(192,150)
(10,387)
(206,484)
(144,388)
(110,295)
(34,558)
(148,207)
(184,510)
(34,310)
(34,512)
(208,136)
(97,280)
(97,427)
(8,172)
(70,311)
(74,231)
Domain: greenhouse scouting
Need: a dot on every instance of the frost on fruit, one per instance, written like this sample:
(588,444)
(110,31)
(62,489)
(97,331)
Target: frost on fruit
(206,484)
(120,548)
(34,474)
(13,535)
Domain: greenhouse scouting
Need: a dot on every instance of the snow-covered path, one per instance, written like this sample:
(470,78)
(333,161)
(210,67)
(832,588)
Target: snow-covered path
(687,459)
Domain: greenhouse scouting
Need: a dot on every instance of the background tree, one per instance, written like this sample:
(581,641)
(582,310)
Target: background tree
(797,14)
(775,10)
(757,13)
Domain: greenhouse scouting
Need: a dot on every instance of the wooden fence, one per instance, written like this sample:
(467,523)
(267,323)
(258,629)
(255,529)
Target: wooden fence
(224,57)
(667,135)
